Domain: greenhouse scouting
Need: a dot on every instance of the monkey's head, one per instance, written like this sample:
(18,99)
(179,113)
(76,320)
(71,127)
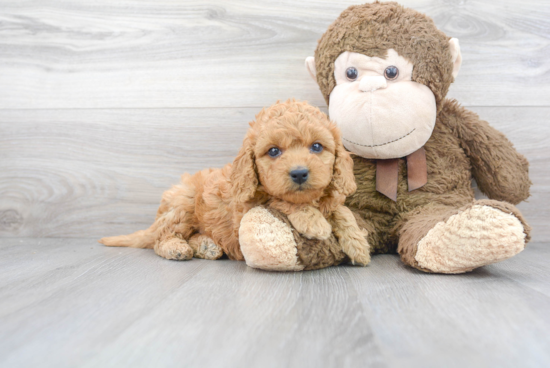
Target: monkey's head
(384,71)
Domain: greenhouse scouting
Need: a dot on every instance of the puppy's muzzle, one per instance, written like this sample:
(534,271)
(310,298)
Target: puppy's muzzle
(299,175)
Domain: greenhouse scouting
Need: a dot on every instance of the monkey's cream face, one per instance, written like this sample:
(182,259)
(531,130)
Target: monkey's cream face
(381,112)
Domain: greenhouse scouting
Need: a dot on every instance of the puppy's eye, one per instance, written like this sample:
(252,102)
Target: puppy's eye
(391,72)
(351,73)
(274,152)
(316,147)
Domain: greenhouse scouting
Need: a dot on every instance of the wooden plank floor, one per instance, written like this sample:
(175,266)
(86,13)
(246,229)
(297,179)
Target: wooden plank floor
(72,302)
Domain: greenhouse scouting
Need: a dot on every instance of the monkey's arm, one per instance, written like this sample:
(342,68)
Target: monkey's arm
(500,171)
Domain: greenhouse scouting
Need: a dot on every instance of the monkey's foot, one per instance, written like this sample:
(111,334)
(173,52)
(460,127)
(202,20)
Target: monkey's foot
(476,237)
(267,242)
(174,248)
(204,247)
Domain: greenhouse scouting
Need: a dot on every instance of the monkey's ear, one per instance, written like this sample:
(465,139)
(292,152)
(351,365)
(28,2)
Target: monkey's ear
(244,180)
(310,66)
(456,55)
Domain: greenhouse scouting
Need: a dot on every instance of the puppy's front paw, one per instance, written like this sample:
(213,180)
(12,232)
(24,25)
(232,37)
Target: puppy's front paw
(311,223)
(320,230)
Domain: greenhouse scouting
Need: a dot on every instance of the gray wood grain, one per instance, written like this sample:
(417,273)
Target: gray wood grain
(72,302)
(165,53)
(74,173)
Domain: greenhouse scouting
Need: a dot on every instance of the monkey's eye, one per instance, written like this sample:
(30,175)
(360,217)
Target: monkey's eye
(351,73)
(391,72)
(274,152)
(316,147)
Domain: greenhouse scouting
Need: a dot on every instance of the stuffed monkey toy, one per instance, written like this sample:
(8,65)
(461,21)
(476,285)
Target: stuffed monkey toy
(384,71)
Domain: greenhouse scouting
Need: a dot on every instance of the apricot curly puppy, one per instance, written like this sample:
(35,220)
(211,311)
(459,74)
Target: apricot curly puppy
(292,160)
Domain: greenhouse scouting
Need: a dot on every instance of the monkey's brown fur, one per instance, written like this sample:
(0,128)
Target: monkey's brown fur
(461,147)
(212,202)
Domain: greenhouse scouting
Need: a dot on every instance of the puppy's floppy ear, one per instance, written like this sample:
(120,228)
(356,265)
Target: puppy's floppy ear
(343,179)
(244,180)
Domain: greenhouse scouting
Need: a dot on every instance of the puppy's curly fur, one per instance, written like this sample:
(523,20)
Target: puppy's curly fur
(201,216)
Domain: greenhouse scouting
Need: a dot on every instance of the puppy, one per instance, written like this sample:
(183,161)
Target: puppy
(292,159)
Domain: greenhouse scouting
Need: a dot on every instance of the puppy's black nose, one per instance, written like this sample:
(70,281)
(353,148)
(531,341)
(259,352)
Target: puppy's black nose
(299,176)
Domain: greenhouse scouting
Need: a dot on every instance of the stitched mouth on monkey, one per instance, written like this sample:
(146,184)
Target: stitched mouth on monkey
(381,112)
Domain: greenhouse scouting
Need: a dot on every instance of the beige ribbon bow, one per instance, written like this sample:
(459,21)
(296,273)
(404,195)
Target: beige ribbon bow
(387,173)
